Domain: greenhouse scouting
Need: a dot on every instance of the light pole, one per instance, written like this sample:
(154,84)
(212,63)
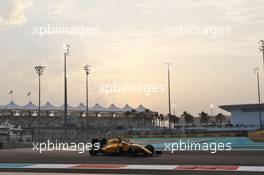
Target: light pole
(39,70)
(169,99)
(256,70)
(261,48)
(87,72)
(66,50)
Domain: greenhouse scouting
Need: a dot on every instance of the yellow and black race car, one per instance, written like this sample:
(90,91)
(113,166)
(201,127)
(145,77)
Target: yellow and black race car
(121,147)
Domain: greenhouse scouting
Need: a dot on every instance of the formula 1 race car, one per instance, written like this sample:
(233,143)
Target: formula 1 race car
(121,147)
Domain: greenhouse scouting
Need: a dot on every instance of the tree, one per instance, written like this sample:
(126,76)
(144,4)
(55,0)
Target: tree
(219,118)
(175,120)
(147,118)
(161,119)
(188,118)
(204,118)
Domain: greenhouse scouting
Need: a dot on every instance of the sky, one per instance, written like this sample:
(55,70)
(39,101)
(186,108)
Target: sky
(212,47)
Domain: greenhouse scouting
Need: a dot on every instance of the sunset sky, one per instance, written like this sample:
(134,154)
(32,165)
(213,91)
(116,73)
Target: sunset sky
(128,44)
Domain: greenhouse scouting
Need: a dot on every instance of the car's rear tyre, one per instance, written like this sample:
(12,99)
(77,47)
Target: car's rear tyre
(150,148)
(120,151)
(131,152)
(93,141)
(103,141)
(93,152)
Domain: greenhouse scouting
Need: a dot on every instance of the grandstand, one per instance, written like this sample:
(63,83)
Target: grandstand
(50,110)
(100,120)
(52,116)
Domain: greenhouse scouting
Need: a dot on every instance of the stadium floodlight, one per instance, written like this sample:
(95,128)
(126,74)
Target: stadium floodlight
(66,51)
(256,70)
(169,98)
(87,72)
(261,48)
(40,71)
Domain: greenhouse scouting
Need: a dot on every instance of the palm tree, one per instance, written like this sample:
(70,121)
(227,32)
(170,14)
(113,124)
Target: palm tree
(159,120)
(219,118)
(147,117)
(204,118)
(162,119)
(150,117)
(188,118)
(175,120)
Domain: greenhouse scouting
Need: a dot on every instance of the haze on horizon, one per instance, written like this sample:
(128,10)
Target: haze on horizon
(130,46)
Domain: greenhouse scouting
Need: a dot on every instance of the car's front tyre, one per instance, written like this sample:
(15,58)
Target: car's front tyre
(131,152)
(150,148)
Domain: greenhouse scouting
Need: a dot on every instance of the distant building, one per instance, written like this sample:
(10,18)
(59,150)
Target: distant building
(30,109)
(245,115)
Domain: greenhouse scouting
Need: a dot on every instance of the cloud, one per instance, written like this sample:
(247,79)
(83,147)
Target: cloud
(12,12)
(69,10)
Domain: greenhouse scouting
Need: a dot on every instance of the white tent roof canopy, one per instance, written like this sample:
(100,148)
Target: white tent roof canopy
(49,106)
(99,108)
(141,108)
(30,106)
(12,105)
(81,107)
(69,108)
(127,108)
(114,108)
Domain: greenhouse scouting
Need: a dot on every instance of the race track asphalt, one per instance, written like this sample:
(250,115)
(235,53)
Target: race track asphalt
(241,158)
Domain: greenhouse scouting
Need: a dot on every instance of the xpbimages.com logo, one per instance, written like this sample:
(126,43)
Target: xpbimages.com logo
(193,30)
(80,31)
(59,146)
(145,89)
(213,147)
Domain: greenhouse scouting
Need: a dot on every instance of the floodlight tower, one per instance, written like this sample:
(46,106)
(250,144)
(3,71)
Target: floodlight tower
(169,98)
(261,48)
(87,72)
(40,71)
(256,70)
(66,50)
